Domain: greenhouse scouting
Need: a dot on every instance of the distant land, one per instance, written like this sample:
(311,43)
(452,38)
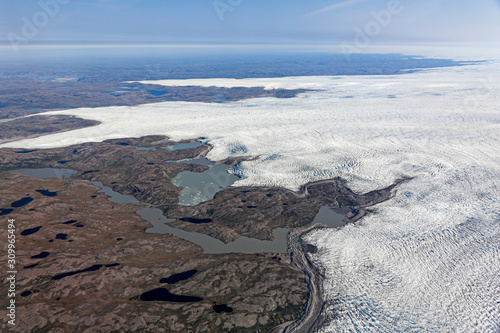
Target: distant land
(95,82)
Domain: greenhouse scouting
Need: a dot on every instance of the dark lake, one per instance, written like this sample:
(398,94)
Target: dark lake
(193,220)
(47,193)
(88,269)
(222,308)
(41,255)
(31,231)
(5,211)
(179,277)
(21,202)
(157,92)
(25,151)
(162,294)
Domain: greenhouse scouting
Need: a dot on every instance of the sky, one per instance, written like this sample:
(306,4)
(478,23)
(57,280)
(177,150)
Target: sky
(249,21)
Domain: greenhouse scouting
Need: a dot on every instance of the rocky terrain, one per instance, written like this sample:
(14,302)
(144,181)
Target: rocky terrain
(30,127)
(85,265)
(85,262)
(26,88)
(21,96)
(235,211)
(255,211)
(141,173)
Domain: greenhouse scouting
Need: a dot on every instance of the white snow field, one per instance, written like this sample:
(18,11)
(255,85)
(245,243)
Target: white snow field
(428,260)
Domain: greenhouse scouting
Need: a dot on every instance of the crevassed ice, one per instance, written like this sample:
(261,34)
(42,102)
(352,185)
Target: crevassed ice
(428,259)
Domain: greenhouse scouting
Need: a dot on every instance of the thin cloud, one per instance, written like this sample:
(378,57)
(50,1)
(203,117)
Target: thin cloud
(334,7)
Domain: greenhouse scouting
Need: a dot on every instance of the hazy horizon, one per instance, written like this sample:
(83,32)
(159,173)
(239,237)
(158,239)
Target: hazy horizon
(254,22)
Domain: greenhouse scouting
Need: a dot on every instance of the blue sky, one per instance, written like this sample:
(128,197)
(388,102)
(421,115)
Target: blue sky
(250,21)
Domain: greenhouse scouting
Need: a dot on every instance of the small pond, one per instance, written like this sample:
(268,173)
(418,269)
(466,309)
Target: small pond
(185,146)
(145,148)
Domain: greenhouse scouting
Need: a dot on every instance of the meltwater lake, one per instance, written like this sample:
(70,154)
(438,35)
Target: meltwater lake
(210,245)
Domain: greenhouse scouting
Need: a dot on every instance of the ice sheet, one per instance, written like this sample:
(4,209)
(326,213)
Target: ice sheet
(428,260)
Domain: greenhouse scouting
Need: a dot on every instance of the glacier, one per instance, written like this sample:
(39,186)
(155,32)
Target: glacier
(426,260)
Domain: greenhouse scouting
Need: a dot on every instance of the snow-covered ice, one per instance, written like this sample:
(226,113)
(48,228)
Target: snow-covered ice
(429,259)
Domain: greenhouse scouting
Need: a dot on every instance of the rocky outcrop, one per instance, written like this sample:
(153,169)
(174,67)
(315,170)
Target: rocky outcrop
(92,278)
